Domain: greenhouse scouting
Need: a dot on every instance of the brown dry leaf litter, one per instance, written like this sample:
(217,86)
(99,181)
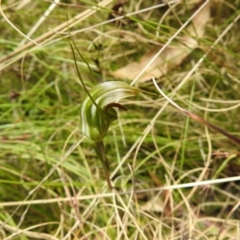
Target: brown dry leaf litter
(172,56)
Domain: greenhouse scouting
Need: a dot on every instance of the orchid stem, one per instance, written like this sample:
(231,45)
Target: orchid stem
(100,150)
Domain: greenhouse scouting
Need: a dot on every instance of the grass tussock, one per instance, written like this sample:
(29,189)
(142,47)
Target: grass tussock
(52,185)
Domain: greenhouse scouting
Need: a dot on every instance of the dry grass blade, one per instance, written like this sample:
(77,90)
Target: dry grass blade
(48,36)
(27,232)
(197,118)
(171,56)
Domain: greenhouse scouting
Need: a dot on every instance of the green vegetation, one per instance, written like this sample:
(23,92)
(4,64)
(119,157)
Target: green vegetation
(52,184)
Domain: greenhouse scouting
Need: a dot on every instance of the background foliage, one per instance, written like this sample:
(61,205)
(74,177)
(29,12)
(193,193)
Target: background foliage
(51,182)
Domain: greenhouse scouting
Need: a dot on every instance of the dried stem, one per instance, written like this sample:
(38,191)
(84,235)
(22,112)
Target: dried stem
(197,118)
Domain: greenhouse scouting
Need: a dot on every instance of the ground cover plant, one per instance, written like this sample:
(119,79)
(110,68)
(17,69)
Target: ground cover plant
(172,177)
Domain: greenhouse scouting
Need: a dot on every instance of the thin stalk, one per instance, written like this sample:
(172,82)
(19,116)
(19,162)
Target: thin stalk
(100,150)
